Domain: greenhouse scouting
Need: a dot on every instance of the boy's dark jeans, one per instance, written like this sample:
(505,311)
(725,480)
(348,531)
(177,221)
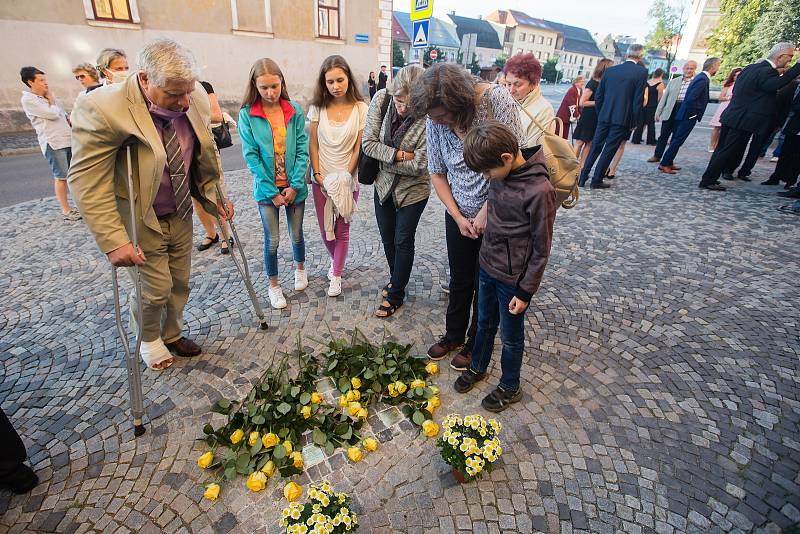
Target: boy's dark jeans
(462,255)
(398,228)
(493,299)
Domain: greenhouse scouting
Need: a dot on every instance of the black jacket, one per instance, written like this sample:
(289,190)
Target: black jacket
(519,227)
(754,101)
(792,126)
(696,99)
(620,97)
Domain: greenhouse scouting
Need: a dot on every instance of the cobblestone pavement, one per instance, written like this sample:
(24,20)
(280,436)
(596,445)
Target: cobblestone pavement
(662,385)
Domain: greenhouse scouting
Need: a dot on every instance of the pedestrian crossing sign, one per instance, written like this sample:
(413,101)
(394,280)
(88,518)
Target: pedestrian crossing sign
(421,9)
(420,32)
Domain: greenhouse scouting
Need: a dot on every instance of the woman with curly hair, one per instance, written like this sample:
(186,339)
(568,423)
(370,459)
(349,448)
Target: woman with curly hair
(455,102)
(523,75)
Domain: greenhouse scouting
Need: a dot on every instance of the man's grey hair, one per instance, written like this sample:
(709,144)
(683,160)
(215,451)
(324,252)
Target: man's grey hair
(780,48)
(707,64)
(405,79)
(635,51)
(106,56)
(164,59)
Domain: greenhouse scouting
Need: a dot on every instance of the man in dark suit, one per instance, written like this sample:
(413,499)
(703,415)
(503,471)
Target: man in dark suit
(620,105)
(788,167)
(690,113)
(382,78)
(750,111)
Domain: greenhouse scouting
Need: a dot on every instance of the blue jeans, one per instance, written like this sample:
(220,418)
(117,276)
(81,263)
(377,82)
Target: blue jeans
(59,160)
(272,233)
(493,299)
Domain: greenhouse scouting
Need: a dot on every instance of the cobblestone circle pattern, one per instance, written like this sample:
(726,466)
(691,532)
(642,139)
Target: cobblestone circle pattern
(661,378)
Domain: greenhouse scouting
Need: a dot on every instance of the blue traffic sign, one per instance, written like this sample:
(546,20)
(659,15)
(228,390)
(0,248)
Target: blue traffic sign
(420,33)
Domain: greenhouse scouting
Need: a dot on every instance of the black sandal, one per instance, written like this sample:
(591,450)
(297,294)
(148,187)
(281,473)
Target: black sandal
(388,309)
(207,242)
(385,290)
(500,399)
(223,248)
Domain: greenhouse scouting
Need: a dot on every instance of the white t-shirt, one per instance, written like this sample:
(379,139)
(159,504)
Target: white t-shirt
(337,139)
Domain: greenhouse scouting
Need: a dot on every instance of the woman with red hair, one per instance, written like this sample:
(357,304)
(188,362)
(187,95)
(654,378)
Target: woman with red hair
(523,74)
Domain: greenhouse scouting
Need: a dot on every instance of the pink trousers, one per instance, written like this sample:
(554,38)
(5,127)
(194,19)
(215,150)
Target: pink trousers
(337,249)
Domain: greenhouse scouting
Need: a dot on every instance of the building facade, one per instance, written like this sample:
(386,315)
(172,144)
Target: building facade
(579,53)
(703,19)
(226,37)
(486,44)
(525,34)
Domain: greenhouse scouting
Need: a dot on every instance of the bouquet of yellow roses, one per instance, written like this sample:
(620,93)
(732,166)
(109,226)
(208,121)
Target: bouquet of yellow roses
(470,445)
(326,512)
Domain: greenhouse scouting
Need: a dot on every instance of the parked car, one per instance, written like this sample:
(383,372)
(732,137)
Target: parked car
(713,93)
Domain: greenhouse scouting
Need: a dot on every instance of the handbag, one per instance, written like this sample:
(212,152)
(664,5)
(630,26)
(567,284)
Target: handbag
(369,167)
(563,167)
(222,135)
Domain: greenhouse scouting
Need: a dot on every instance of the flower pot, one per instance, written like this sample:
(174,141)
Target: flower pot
(459,476)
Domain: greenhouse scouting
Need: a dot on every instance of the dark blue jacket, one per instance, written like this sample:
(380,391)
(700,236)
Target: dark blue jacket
(620,97)
(755,96)
(696,99)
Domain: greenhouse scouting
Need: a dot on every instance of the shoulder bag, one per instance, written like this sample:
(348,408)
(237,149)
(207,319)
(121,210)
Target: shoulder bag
(369,167)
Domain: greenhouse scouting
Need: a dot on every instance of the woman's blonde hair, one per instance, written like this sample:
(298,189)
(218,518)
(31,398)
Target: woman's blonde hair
(89,69)
(261,67)
(405,80)
(106,56)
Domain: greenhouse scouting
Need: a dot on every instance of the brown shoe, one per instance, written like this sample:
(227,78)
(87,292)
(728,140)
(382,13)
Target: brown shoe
(676,167)
(442,348)
(185,348)
(653,159)
(666,169)
(462,360)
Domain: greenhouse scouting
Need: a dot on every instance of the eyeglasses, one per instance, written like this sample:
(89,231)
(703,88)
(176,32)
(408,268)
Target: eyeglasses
(80,77)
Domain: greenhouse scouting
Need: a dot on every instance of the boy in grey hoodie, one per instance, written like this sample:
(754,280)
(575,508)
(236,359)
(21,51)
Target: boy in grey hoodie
(513,256)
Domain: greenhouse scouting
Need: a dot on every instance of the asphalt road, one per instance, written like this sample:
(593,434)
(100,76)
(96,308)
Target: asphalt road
(28,177)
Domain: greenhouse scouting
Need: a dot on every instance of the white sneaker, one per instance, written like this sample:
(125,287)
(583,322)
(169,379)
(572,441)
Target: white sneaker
(276,297)
(300,279)
(773,159)
(330,272)
(335,287)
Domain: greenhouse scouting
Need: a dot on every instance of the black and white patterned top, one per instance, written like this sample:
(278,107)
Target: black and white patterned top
(446,150)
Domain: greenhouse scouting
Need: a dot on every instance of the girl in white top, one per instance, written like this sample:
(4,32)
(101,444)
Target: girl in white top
(337,115)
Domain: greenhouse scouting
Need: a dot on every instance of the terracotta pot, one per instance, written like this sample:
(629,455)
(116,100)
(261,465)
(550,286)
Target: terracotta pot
(459,476)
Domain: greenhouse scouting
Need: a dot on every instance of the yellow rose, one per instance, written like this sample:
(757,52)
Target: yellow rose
(205,460)
(356,394)
(353,408)
(253,439)
(430,429)
(392,390)
(343,401)
(401,388)
(297,459)
(288,446)
(354,453)
(432,368)
(431,406)
(355,382)
(316,398)
(305,411)
(362,414)
(371,444)
(435,390)
(418,384)
(269,440)
(292,491)
(212,492)
(269,468)
(256,481)
(237,436)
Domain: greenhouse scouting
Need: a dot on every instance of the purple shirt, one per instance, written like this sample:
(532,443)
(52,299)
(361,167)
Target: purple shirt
(164,203)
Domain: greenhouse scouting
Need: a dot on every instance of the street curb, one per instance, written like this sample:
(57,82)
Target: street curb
(19,151)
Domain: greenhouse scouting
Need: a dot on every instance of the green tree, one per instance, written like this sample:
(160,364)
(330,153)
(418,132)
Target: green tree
(500,61)
(549,71)
(668,18)
(439,57)
(398,59)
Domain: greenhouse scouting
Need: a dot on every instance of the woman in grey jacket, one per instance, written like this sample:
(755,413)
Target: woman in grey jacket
(398,141)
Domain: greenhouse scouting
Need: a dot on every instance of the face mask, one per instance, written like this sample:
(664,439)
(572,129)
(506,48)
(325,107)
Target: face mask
(118,76)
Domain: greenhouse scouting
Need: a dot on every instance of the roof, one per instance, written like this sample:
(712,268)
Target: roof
(527,20)
(398,33)
(576,40)
(487,36)
(441,33)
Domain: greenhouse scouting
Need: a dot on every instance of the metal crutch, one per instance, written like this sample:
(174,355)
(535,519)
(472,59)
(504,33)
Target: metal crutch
(131,358)
(242,267)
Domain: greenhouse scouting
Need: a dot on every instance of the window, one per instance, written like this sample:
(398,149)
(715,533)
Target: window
(538,55)
(251,17)
(112,10)
(549,41)
(328,18)
(547,56)
(522,37)
(541,39)
(531,38)
(590,61)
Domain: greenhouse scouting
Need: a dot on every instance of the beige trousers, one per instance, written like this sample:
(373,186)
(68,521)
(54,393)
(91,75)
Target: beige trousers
(165,280)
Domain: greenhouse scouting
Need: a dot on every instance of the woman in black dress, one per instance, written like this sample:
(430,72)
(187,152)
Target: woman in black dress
(372,84)
(655,88)
(587,124)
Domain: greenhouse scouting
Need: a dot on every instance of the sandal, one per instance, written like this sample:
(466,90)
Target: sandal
(387,309)
(223,247)
(386,288)
(500,399)
(207,242)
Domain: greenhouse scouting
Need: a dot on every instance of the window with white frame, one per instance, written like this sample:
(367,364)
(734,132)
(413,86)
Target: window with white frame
(251,16)
(112,11)
(531,38)
(329,19)
(522,37)
(549,41)
(541,39)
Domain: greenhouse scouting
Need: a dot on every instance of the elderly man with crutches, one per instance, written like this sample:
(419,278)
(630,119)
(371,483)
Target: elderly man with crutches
(152,131)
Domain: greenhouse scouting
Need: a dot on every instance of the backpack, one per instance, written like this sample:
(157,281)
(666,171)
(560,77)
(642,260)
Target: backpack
(562,164)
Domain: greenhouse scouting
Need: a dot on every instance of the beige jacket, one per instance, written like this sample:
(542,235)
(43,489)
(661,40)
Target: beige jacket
(102,122)
(670,97)
(542,110)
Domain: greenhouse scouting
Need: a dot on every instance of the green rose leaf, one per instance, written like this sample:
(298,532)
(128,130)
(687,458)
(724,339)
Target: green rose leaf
(258,420)
(369,374)
(279,451)
(224,404)
(305,398)
(329,448)
(284,408)
(348,434)
(428,393)
(319,437)
(332,365)
(418,418)
(344,384)
(257,447)
(283,433)
(295,391)
(230,473)
(418,392)
(341,428)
